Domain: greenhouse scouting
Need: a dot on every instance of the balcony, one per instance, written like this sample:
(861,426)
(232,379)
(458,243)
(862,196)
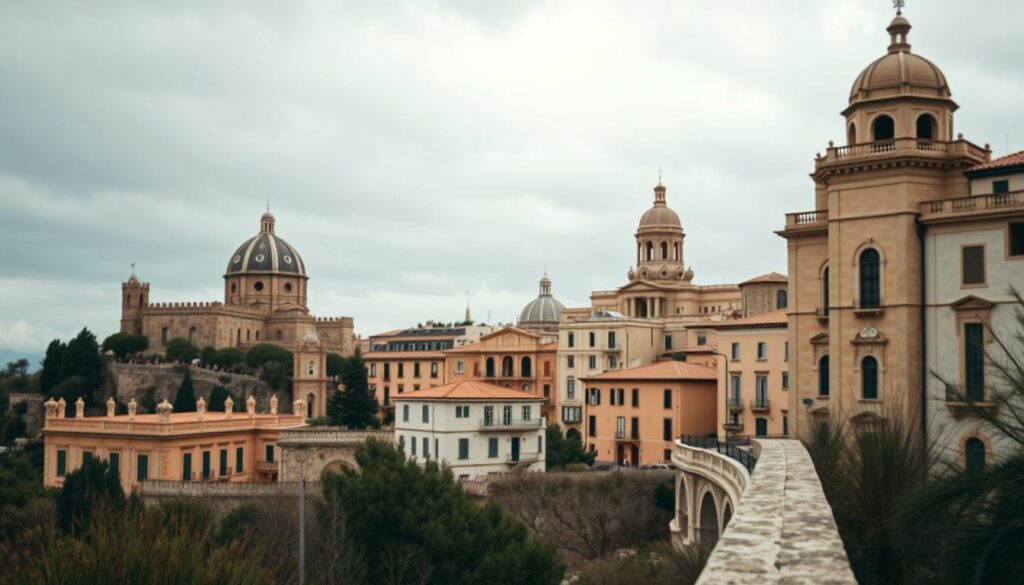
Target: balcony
(623,435)
(735,405)
(510,424)
(522,458)
(266,466)
(762,405)
(817,218)
(821,313)
(733,426)
(871,310)
(901,147)
(993,204)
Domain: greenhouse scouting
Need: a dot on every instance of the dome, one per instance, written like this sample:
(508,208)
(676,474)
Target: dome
(899,72)
(543,310)
(660,216)
(265,252)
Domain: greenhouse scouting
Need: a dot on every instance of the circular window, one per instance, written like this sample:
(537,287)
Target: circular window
(287,259)
(260,257)
(664,273)
(287,287)
(258,285)
(236,259)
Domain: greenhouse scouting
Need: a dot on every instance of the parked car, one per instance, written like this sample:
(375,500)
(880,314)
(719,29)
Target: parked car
(656,466)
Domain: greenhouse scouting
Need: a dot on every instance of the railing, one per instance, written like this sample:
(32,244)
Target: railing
(330,436)
(266,466)
(992,201)
(904,144)
(513,423)
(732,448)
(624,435)
(733,425)
(821,312)
(760,404)
(806,218)
(735,404)
(522,458)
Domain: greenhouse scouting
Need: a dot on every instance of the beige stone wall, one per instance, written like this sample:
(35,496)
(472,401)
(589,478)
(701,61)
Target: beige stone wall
(760,298)
(131,380)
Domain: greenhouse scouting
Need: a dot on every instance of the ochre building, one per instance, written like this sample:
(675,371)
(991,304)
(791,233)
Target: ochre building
(265,288)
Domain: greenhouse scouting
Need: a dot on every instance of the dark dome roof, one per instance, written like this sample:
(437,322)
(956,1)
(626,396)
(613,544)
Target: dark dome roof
(543,310)
(265,252)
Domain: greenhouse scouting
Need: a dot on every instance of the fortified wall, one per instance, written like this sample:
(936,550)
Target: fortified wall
(133,380)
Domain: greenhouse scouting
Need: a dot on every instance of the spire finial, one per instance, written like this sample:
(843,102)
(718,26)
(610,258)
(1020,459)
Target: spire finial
(898,5)
(133,269)
(659,175)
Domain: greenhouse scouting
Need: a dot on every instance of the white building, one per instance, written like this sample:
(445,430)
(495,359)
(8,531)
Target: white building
(473,427)
(974,254)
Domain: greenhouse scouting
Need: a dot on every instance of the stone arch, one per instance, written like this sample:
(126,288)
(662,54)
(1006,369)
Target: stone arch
(507,367)
(310,405)
(868,265)
(975,448)
(650,251)
(526,367)
(851,133)
(883,128)
(927,127)
(573,433)
(337,466)
(664,250)
(726,515)
(489,368)
(708,516)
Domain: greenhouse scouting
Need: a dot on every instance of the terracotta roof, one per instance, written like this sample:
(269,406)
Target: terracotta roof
(402,355)
(696,349)
(769,319)
(475,347)
(1011,160)
(467,390)
(386,333)
(770,277)
(668,370)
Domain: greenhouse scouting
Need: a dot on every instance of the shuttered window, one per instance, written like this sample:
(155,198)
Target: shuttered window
(973,264)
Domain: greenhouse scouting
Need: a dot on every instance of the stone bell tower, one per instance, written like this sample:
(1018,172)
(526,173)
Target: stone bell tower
(134,299)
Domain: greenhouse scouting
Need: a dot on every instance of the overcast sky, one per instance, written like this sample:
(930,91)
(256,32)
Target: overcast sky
(413,151)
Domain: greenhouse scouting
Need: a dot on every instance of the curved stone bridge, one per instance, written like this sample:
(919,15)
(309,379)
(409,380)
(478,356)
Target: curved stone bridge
(770,526)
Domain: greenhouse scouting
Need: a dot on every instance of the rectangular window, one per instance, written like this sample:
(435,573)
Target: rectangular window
(666,429)
(373,370)
(506,415)
(488,416)
(240,460)
(734,397)
(785,351)
(387,371)
(592,426)
(401,370)
(785,423)
(526,413)
(547,390)
(540,444)
(405,413)
(785,380)
(620,427)
(223,468)
(459,367)
(426,413)
(186,467)
(62,462)
(412,443)
(1001,186)
(974,360)
(433,370)
(492,448)
(622,396)
(114,461)
(611,340)
(416,370)
(634,428)
(761,391)
(667,454)
(762,350)
(269,453)
(593,339)
(207,471)
(1016,239)
(702,338)
(463,448)
(86,457)
(572,340)
(142,468)
(735,351)
(401,388)
(426,448)
(666,398)
(570,362)
(668,342)
(636,397)
(973,265)
(592,362)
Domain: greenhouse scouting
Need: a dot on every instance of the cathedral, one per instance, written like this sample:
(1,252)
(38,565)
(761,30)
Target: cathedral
(265,287)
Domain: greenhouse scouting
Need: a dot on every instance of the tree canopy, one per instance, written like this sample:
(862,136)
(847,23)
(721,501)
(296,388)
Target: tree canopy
(181,350)
(562,451)
(416,524)
(92,488)
(185,399)
(355,406)
(124,344)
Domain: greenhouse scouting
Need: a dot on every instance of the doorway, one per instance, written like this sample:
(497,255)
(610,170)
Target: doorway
(515,448)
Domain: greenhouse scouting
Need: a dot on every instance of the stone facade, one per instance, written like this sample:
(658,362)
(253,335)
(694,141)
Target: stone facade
(264,302)
(129,381)
(329,449)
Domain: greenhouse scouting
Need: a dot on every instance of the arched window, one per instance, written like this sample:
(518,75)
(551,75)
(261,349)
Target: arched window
(489,369)
(664,250)
(310,403)
(851,134)
(870,289)
(675,251)
(525,368)
(869,378)
(883,128)
(974,454)
(926,127)
(193,335)
(824,291)
(140,299)
(781,299)
(823,376)
(311,367)
(278,335)
(234,287)
(164,335)
(650,251)
(127,300)
(506,366)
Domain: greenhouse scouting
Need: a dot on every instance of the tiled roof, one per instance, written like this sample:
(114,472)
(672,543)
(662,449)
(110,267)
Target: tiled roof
(402,355)
(467,390)
(770,277)
(1011,160)
(667,370)
(771,318)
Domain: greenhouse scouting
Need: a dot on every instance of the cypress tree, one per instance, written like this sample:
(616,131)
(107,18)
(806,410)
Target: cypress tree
(355,406)
(185,399)
(53,362)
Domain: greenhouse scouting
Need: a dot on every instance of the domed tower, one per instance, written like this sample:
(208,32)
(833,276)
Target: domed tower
(266,271)
(659,243)
(134,299)
(309,374)
(899,95)
(543,312)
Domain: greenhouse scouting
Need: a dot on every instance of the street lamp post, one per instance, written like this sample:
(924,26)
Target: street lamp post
(725,411)
(301,455)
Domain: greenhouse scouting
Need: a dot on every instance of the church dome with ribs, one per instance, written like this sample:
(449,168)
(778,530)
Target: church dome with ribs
(266,253)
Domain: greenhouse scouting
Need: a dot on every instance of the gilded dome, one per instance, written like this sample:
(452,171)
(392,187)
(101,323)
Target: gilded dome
(899,72)
(659,215)
(542,311)
(265,252)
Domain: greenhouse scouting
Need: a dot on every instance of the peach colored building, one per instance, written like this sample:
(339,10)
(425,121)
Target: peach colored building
(864,263)
(406,360)
(189,446)
(512,358)
(634,416)
(264,302)
(751,356)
